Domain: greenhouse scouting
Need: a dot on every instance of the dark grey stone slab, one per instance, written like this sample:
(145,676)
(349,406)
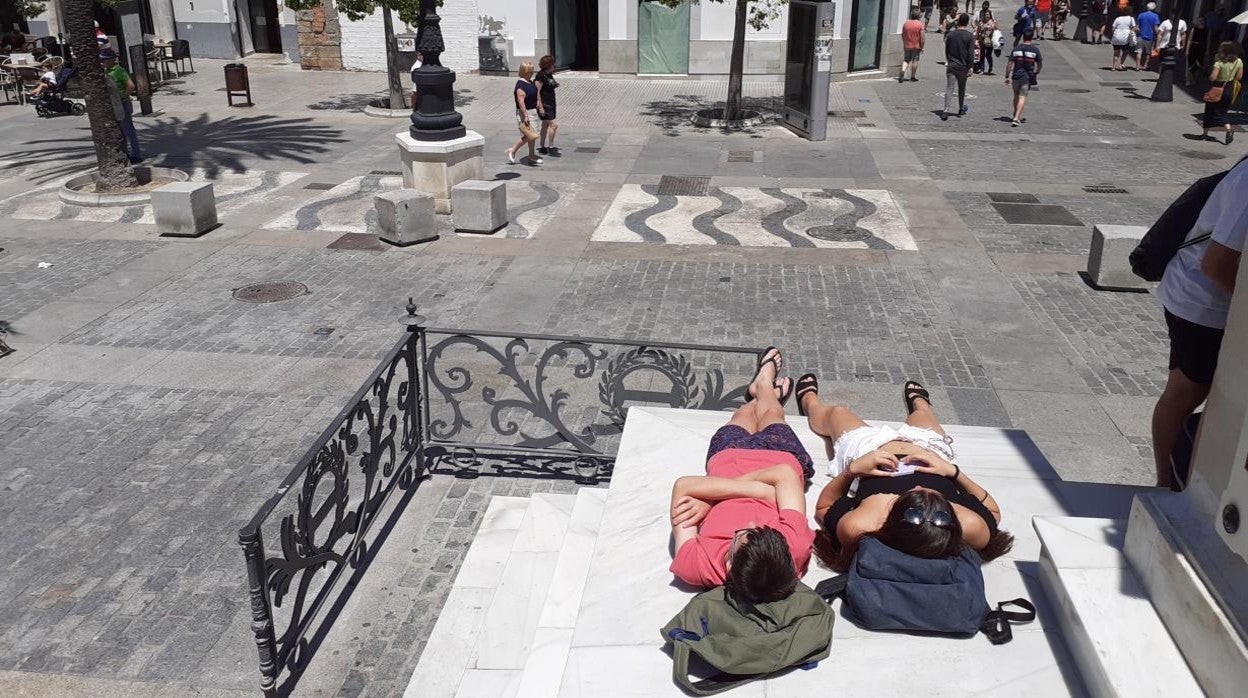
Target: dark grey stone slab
(1010,198)
(1036,214)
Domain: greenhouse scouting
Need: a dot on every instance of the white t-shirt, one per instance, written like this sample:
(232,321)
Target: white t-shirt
(1185,290)
(1163,34)
(1122,30)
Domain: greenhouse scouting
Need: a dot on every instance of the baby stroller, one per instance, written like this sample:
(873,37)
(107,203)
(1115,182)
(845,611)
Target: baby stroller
(52,101)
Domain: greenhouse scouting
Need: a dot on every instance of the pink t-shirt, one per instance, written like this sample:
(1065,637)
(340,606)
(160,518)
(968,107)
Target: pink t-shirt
(912,34)
(700,562)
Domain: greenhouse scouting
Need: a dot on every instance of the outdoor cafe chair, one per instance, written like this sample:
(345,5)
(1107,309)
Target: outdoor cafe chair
(182,54)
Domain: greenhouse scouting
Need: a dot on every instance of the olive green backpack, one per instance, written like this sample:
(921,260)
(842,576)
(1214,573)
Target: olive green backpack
(747,642)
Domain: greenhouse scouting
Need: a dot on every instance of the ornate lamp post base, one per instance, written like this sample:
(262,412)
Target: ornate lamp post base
(435,118)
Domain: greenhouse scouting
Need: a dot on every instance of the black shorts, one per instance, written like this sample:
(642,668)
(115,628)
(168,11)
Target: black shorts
(1193,348)
(548,112)
(912,54)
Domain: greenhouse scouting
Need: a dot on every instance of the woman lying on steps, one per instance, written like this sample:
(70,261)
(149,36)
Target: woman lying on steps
(743,524)
(900,485)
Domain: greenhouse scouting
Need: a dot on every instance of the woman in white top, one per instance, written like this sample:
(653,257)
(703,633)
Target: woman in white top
(1123,33)
(1180,42)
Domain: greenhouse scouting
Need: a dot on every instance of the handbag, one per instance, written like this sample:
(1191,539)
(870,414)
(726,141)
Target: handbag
(529,133)
(1214,95)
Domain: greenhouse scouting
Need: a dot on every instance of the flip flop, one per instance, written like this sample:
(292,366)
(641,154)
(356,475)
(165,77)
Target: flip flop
(807,383)
(912,391)
(776,360)
(786,389)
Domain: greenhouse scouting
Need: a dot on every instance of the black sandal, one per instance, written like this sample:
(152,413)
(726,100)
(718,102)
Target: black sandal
(912,391)
(807,383)
(775,360)
(784,394)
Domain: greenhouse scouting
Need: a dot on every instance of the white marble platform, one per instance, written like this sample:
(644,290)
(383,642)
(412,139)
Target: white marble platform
(616,647)
(1118,640)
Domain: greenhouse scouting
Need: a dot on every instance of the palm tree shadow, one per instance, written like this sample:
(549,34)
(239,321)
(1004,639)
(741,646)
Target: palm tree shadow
(214,145)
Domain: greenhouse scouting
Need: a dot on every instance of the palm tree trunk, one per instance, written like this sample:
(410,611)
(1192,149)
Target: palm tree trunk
(732,109)
(110,148)
(394,81)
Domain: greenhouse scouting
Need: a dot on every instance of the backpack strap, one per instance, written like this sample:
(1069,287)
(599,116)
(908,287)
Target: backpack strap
(996,623)
(832,587)
(718,683)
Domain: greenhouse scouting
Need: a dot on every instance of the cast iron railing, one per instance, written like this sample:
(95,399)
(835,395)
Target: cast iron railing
(464,403)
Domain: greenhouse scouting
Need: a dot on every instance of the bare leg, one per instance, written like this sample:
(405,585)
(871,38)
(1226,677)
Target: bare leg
(746,417)
(829,421)
(924,417)
(767,407)
(1178,401)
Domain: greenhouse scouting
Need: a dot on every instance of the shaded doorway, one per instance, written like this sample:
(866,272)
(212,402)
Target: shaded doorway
(266,26)
(574,33)
(865,35)
(662,39)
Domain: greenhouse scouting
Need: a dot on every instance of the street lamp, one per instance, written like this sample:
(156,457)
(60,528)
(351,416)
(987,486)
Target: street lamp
(435,118)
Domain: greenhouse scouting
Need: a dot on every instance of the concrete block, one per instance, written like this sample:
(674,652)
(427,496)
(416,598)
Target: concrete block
(406,217)
(1108,264)
(184,209)
(479,206)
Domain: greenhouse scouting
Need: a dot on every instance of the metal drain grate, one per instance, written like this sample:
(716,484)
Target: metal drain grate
(741,156)
(864,124)
(270,292)
(1104,189)
(588,149)
(323,331)
(846,113)
(1201,155)
(1117,84)
(386,173)
(320,186)
(1012,198)
(670,185)
(1109,117)
(1076,91)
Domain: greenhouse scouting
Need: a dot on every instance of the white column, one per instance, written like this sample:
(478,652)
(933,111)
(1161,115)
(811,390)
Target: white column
(163,19)
(1220,464)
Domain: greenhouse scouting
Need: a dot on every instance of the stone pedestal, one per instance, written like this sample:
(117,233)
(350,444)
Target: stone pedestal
(184,209)
(406,217)
(435,167)
(1108,256)
(480,206)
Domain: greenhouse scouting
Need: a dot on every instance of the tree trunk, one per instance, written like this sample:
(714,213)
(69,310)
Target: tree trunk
(110,148)
(394,81)
(732,109)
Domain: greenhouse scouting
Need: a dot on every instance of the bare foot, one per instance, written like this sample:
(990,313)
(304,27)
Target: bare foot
(767,372)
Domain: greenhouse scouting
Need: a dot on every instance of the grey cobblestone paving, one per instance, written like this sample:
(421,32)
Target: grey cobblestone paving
(1117,341)
(359,293)
(849,323)
(24,287)
(996,235)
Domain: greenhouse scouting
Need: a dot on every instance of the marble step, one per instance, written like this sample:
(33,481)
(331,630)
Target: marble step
(1118,641)
(454,637)
(543,668)
(509,627)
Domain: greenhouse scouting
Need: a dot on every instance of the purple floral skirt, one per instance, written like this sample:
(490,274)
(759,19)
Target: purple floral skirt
(774,437)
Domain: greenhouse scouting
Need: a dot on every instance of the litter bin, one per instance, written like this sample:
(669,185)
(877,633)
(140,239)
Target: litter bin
(405,51)
(237,84)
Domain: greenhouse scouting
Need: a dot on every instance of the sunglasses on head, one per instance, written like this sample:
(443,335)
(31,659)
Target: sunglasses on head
(939,519)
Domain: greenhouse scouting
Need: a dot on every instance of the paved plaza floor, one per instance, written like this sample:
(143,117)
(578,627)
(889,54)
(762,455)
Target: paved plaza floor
(146,413)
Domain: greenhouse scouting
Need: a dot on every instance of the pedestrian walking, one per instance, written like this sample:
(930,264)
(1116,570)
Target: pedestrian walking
(1123,39)
(926,6)
(1170,41)
(1148,22)
(1197,52)
(546,105)
(1021,71)
(1224,83)
(123,109)
(959,57)
(1024,20)
(1044,13)
(524,94)
(1096,20)
(1195,294)
(913,39)
(1061,12)
(984,31)
(948,15)
(985,8)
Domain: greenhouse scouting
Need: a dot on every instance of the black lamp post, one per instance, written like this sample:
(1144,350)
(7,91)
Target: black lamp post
(435,118)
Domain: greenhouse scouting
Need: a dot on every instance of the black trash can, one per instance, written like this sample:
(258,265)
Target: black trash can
(237,85)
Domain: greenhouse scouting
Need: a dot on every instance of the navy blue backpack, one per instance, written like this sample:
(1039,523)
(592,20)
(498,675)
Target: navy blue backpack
(886,589)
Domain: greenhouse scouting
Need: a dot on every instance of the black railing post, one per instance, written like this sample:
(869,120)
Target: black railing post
(416,382)
(261,614)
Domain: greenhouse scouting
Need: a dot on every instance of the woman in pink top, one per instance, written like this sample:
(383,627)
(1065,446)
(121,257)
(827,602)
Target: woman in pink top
(743,524)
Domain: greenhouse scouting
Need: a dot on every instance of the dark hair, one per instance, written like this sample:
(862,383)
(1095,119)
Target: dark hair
(1228,51)
(762,568)
(915,13)
(987,14)
(546,62)
(964,19)
(1029,35)
(925,540)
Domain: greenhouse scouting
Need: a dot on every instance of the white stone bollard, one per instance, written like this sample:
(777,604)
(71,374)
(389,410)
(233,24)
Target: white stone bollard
(479,206)
(406,217)
(1109,266)
(184,209)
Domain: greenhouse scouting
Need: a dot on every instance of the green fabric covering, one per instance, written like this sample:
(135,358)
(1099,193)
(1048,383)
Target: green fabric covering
(748,642)
(662,39)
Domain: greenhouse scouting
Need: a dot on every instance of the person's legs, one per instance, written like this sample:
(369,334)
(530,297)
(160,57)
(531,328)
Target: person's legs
(829,421)
(951,84)
(553,127)
(543,133)
(914,68)
(1020,100)
(129,133)
(746,417)
(924,417)
(961,77)
(905,65)
(1178,401)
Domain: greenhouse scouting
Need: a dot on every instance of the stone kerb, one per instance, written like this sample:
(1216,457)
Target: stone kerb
(1108,263)
(184,209)
(479,206)
(406,217)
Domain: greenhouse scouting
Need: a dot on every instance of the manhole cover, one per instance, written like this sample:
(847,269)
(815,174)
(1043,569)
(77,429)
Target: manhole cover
(1201,155)
(589,149)
(270,292)
(740,156)
(1104,189)
(320,186)
(684,186)
(358,241)
(1011,198)
(836,233)
(1109,117)
(1076,91)
(846,113)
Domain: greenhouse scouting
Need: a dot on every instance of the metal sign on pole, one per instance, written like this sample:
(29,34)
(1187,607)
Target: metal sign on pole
(808,67)
(132,52)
